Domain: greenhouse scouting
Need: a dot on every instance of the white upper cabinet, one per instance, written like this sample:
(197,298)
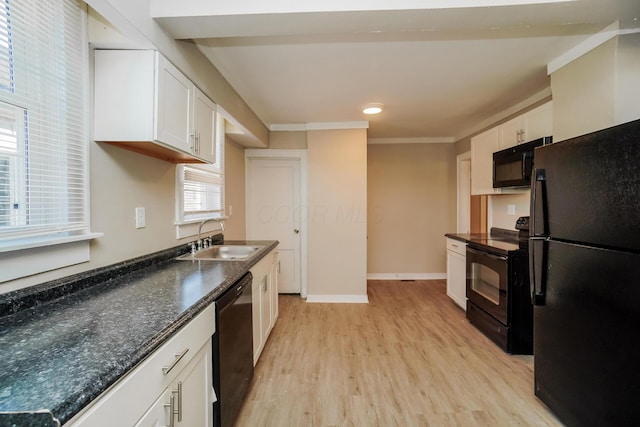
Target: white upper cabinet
(538,122)
(173,103)
(511,132)
(482,148)
(526,127)
(203,127)
(145,104)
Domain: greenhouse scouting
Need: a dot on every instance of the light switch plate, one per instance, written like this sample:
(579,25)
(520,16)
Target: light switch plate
(140,218)
(511,209)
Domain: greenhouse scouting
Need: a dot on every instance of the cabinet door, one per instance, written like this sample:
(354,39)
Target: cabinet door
(511,133)
(539,122)
(275,272)
(173,106)
(255,311)
(204,125)
(482,148)
(265,309)
(191,393)
(196,380)
(457,278)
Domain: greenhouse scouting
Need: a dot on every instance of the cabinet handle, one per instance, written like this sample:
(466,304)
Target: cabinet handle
(171,405)
(179,356)
(179,391)
(175,394)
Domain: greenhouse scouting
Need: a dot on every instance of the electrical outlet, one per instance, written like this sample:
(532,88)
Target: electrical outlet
(511,209)
(230,210)
(140,218)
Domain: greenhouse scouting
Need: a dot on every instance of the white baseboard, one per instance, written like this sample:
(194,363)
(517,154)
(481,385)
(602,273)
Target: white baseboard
(406,276)
(357,299)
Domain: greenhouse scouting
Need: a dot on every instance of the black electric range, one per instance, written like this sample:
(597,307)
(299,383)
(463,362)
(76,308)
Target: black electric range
(504,242)
(498,295)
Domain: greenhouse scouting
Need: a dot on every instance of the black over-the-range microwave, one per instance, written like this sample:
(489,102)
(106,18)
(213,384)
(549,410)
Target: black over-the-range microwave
(512,166)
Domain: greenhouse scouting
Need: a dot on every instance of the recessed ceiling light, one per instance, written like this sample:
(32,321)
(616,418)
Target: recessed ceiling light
(372,108)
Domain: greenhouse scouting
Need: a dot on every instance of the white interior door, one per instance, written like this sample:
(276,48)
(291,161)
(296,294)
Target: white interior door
(464,192)
(274,212)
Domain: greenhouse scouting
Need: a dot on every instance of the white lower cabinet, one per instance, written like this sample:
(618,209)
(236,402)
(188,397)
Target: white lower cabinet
(457,272)
(187,399)
(177,376)
(264,300)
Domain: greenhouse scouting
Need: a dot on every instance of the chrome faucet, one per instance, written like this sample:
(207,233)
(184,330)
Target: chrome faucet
(200,229)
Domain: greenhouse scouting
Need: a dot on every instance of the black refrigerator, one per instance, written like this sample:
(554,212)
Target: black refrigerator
(584,254)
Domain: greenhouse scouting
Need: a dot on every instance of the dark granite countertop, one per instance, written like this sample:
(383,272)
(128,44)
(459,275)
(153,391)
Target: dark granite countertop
(57,355)
(499,241)
(466,238)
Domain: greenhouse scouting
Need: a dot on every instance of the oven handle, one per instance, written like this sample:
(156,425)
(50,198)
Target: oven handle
(487,254)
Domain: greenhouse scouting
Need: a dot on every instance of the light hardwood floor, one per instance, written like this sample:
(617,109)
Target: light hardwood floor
(408,358)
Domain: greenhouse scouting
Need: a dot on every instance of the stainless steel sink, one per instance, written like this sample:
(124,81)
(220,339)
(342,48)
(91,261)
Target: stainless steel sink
(223,253)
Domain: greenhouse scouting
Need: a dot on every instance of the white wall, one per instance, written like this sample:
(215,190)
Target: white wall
(337,215)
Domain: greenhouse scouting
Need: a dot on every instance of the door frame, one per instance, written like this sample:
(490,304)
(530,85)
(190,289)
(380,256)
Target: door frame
(463,191)
(285,154)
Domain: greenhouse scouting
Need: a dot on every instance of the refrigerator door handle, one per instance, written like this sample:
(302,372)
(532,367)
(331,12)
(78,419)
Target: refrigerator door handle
(537,278)
(538,203)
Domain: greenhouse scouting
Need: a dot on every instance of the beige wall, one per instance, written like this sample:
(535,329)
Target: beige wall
(628,88)
(288,140)
(236,224)
(584,92)
(337,218)
(122,180)
(412,192)
(598,90)
(500,209)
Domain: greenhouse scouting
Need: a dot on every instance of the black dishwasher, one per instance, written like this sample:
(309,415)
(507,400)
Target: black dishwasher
(232,351)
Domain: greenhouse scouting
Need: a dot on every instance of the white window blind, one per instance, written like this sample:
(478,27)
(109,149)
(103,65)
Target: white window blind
(43,119)
(203,192)
(200,187)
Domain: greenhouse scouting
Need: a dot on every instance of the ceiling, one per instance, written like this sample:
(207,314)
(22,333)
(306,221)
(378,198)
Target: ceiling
(442,73)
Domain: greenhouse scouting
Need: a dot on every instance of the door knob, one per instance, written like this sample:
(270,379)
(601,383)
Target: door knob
(296,231)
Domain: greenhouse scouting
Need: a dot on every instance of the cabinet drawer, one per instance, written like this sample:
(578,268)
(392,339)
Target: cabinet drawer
(490,327)
(129,398)
(456,246)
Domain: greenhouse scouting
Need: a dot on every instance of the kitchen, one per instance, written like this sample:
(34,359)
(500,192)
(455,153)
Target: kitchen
(150,183)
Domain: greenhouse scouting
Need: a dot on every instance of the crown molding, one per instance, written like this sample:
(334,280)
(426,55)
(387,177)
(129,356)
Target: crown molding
(301,127)
(418,140)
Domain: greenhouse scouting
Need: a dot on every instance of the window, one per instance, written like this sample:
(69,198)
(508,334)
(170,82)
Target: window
(43,121)
(200,187)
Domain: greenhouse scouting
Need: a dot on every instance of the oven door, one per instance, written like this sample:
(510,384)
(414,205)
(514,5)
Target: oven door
(487,279)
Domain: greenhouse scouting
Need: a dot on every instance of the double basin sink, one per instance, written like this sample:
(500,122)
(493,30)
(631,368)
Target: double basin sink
(223,253)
